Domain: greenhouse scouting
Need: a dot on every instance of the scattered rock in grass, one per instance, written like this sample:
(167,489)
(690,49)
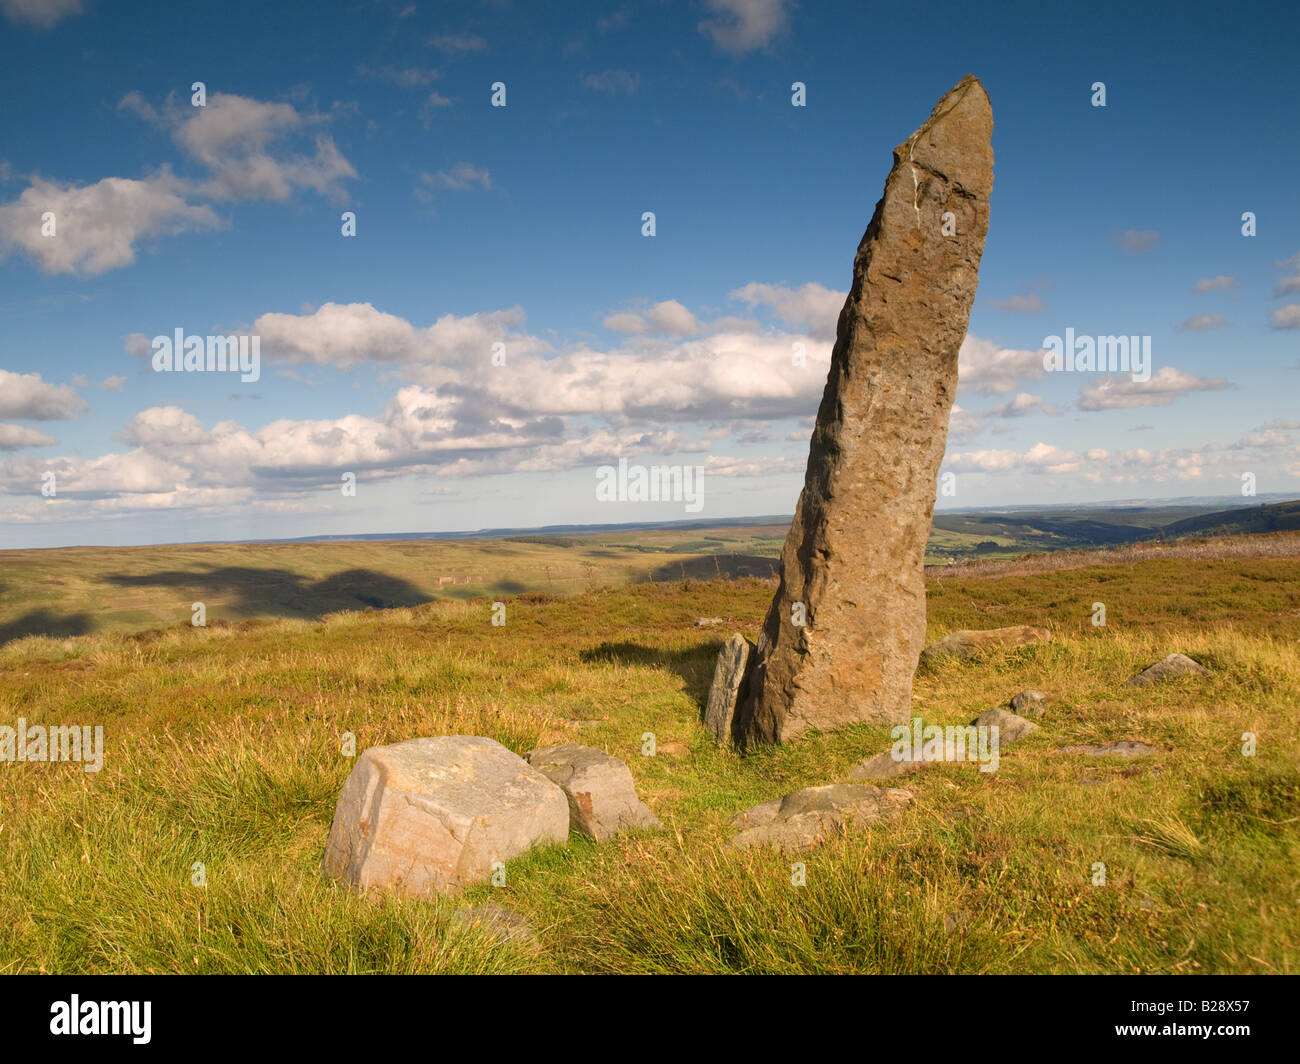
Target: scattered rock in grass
(496,921)
(966,644)
(705,622)
(431,816)
(1011,728)
(1171,667)
(599,788)
(885,767)
(1029,703)
(803,819)
(584,725)
(1123,748)
(729,676)
(674,751)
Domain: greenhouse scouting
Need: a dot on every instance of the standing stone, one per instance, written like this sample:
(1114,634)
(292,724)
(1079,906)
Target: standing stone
(431,816)
(599,788)
(728,680)
(852,565)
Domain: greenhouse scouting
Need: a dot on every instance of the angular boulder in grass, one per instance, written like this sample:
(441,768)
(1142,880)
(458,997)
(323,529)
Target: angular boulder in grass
(1029,703)
(599,789)
(966,644)
(1169,668)
(432,816)
(1011,728)
(803,819)
(728,687)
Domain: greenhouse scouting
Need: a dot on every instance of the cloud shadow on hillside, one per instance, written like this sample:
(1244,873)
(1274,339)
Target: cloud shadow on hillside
(249,592)
(43,622)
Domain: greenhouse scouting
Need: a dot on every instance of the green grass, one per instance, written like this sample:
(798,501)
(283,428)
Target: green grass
(223,746)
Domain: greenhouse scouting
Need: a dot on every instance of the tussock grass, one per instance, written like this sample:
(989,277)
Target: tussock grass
(223,747)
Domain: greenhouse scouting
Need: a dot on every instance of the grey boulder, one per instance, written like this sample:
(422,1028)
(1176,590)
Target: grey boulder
(599,789)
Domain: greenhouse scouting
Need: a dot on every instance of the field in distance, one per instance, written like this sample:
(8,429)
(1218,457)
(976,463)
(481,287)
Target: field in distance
(81,590)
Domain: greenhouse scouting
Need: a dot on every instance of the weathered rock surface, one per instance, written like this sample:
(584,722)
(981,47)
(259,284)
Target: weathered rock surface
(801,820)
(431,816)
(599,788)
(852,563)
(496,921)
(885,767)
(1011,728)
(966,644)
(1123,748)
(729,676)
(1171,667)
(1029,703)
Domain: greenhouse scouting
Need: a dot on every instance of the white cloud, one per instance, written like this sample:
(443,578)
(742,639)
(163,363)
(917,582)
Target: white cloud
(25,397)
(1203,323)
(667,317)
(1120,391)
(1021,405)
(987,369)
(97,226)
(40,14)
(1287,317)
(12,437)
(811,306)
(1212,284)
(745,25)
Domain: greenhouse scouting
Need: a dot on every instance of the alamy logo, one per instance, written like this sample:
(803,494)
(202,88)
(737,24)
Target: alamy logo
(640,483)
(1098,354)
(970,742)
(57,743)
(102,1017)
(208,354)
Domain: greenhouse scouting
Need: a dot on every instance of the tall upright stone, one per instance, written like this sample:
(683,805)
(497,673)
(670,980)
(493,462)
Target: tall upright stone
(852,569)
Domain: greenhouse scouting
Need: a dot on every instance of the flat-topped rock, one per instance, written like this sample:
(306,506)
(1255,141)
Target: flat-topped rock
(599,789)
(1169,668)
(841,639)
(885,766)
(805,818)
(968,643)
(432,816)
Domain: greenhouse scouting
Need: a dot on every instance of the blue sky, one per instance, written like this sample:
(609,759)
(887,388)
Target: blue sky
(522,225)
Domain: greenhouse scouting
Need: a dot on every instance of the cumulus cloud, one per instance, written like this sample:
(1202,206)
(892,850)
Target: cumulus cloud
(1021,405)
(1203,323)
(1214,284)
(740,26)
(13,437)
(1120,391)
(668,317)
(1287,317)
(97,227)
(987,369)
(40,14)
(811,306)
(25,397)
